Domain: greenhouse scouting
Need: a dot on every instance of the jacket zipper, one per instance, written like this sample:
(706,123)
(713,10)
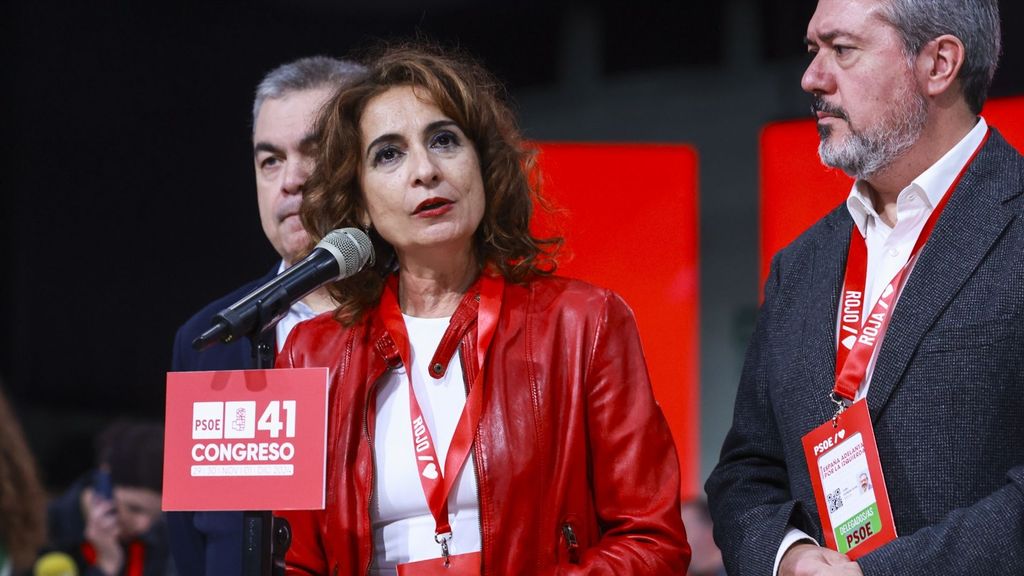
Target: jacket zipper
(476,464)
(373,468)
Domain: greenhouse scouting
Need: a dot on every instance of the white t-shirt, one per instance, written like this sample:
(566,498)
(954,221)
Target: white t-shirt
(403,528)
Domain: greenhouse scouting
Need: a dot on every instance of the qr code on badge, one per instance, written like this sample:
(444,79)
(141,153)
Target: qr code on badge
(835,501)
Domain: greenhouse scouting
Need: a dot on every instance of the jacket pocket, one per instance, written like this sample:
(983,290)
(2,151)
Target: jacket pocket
(968,336)
(568,542)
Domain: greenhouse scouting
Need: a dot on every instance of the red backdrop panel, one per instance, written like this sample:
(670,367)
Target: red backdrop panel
(628,214)
(797,190)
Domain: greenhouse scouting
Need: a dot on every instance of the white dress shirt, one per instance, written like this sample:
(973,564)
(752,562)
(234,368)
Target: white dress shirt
(296,313)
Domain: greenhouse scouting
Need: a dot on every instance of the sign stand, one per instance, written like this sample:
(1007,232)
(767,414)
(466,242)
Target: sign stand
(265,538)
(258,540)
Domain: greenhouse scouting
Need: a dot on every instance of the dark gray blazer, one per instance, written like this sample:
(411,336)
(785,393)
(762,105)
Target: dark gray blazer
(946,397)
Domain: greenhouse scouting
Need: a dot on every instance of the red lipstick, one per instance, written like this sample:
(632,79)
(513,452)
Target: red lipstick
(433,207)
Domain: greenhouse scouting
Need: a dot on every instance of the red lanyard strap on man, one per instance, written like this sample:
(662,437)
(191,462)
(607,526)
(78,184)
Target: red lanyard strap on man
(852,362)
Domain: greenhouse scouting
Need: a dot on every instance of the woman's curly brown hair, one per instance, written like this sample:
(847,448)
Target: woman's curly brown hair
(469,95)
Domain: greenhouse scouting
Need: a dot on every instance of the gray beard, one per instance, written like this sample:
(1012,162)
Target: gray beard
(865,153)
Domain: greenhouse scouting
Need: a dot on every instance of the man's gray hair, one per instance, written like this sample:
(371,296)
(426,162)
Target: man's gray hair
(974,22)
(305,74)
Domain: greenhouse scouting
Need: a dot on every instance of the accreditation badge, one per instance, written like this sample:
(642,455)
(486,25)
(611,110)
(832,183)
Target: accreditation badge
(458,565)
(846,475)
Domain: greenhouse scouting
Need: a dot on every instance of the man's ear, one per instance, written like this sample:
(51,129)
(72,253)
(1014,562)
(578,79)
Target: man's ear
(939,63)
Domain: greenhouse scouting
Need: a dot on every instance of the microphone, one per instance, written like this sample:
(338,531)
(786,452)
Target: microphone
(341,253)
(55,564)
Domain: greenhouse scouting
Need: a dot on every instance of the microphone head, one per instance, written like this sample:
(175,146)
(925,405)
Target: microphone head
(351,247)
(55,564)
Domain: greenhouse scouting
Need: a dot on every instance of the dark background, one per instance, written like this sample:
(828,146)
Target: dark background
(128,195)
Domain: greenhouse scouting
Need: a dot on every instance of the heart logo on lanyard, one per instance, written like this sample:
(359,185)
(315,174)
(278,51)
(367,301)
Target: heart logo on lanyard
(430,471)
(849,341)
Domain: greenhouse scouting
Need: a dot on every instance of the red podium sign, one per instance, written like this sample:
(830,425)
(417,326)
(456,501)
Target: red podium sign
(246,440)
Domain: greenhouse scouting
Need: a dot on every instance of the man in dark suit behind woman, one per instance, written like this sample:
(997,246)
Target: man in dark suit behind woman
(898,88)
(286,103)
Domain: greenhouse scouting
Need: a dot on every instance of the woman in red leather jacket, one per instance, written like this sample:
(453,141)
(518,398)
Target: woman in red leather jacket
(486,416)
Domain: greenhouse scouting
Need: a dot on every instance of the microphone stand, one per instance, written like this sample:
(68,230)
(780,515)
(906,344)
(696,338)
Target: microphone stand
(265,538)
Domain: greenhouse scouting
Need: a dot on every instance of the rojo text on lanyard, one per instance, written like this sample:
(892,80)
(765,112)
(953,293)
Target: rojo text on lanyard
(842,456)
(483,297)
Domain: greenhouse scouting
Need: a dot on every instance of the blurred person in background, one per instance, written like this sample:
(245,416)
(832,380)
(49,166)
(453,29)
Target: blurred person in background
(707,558)
(109,521)
(22,499)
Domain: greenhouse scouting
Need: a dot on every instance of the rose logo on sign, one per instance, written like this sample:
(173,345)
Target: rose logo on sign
(240,420)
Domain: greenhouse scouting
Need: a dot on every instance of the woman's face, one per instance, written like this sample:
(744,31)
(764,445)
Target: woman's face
(420,176)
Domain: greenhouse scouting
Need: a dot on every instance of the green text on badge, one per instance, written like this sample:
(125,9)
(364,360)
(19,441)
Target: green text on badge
(858,528)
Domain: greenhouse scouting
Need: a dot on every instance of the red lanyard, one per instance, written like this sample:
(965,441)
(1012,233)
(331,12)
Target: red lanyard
(858,337)
(135,561)
(437,487)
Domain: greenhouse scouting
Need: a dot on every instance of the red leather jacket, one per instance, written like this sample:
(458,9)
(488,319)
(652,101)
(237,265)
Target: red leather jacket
(576,469)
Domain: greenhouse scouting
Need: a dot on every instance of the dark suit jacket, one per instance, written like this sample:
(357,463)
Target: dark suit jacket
(210,543)
(946,397)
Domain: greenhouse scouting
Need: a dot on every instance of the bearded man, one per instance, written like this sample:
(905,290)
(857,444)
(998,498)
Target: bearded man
(905,304)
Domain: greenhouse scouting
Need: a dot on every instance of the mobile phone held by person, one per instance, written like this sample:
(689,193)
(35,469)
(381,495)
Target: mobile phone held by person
(102,485)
